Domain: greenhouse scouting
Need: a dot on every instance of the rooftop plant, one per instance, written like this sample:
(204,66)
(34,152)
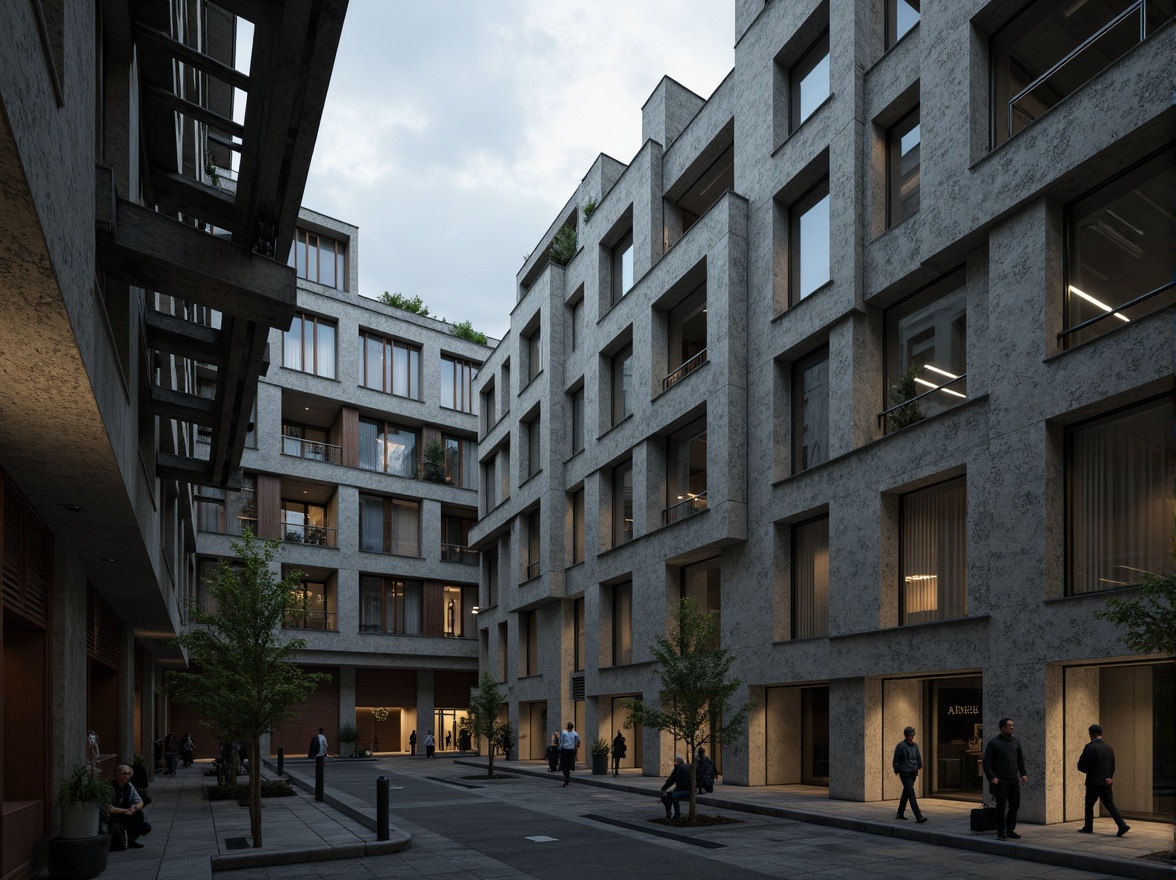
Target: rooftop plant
(400,301)
(563,246)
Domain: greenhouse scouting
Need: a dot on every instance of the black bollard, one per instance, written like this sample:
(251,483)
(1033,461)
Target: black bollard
(281,759)
(318,778)
(382,808)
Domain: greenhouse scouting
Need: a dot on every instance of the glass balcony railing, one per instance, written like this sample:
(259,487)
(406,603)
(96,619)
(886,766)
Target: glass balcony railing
(459,554)
(688,506)
(324,621)
(315,450)
(316,536)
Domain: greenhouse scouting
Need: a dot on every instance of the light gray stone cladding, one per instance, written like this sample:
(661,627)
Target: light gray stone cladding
(992,217)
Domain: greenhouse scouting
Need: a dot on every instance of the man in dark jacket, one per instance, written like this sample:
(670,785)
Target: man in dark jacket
(679,778)
(1004,768)
(1098,763)
(908,761)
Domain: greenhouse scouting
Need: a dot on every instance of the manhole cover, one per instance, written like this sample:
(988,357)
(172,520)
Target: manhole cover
(236,843)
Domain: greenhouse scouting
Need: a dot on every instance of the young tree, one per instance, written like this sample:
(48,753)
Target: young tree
(693,669)
(247,684)
(485,703)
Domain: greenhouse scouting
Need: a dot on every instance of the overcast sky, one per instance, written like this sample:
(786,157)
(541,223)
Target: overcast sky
(454,130)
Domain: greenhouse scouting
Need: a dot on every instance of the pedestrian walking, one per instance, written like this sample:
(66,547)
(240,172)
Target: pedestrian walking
(169,753)
(412,743)
(907,763)
(187,749)
(1004,768)
(618,752)
(430,745)
(553,753)
(569,741)
(318,747)
(1098,763)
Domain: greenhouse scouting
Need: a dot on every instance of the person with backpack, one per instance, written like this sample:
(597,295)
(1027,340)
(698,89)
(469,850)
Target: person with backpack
(704,772)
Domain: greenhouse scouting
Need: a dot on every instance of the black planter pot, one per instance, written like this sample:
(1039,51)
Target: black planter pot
(78,859)
(600,765)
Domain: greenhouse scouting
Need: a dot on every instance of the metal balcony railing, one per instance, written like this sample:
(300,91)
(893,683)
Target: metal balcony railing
(323,621)
(1118,311)
(316,536)
(685,370)
(530,570)
(688,506)
(458,553)
(909,408)
(315,450)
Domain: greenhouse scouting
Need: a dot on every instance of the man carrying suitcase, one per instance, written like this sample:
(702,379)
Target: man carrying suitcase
(1004,768)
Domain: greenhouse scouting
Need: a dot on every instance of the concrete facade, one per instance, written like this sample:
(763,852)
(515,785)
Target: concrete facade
(992,227)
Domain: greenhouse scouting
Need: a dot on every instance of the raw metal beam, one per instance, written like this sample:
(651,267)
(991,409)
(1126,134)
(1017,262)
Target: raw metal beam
(176,194)
(184,338)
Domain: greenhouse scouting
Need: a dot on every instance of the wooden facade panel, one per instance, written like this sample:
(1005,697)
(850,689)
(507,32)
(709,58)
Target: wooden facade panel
(386,687)
(349,439)
(433,609)
(451,688)
(321,710)
(269,506)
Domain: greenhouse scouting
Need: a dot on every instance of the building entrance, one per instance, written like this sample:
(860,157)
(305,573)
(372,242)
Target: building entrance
(955,740)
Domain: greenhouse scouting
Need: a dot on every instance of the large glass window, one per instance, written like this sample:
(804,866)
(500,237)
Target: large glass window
(533,526)
(578,526)
(1119,252)
(389,525)
(902,168)
(388,448)
(534,458)
(458,610)
(622,503)
(578,420)
(622,624)
(622,383)
(320,259)
(901,16)
(1120,472)
(622,267)
(809,242)
(687,337)
(576,324)
(933,557)
(927,352)
(1028,73)
(309,346)
(686,472)
(455,539)
(306,524)
(314,603)
(390,366)
(461,462)
(534,352)
(809,81)
(389,605)
(810,579)
(457,384)
(703,582)
(810,411)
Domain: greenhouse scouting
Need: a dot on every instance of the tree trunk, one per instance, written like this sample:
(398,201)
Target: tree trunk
(490,751)
(693,787)
(255,791)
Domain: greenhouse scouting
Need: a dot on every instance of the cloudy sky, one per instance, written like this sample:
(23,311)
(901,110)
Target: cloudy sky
(454,130)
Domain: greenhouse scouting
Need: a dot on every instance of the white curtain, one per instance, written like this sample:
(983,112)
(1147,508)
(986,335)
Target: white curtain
(934,553)
(810,579)
(406,518)
(325,337)
(371,523)
(412,608)
(369,445)
(292,345)
(369,605)
(1121,477)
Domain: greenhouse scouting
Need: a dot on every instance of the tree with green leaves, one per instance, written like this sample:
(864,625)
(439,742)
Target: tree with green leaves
(247,684)
(485,706)
(399,301)
(696,687)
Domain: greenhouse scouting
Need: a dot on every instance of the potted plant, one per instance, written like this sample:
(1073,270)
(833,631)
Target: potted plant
(600,750)
(348,735)
(80,852)
(434,462)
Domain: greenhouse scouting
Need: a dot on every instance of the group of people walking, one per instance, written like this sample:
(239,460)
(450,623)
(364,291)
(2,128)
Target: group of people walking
(1003,765)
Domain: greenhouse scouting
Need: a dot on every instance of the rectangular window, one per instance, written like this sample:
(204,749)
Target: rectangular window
(577,526)
(703,582)
(489,408)
(1120,470)
(933,559)
(457,384)
(389,365)
(502,651)
(809,81)
(687,337)
(309,346)
(491,578)
(306,524)
(455,540)
(534,355)
(577,323)
(902,168)
(810,579)
(389,525)
(533,520)
(578,627)
(622,383)
(458,611)
(686,472)
(810,411)
(901,16)
(319,259)
(927,352)
(461,462)
(1028,73)
(210,510)
(622,608)
(809,242)
(1119,251)
(534,458)
(388,448)
(622,503)
(622,266)
(389,605)
(490,483)
(314,608)
(577,420)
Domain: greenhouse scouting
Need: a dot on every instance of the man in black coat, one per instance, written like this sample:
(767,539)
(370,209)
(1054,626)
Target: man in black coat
(679,778)
(1004,768)
(1098,763)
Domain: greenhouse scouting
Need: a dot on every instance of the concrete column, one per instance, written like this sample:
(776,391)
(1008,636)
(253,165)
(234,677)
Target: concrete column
(68,746)
(902,706)
(855,730)
(147,714)
(425,706)
(782,730)
(347,694)
(126,698)
(1020,693)
(1080,711)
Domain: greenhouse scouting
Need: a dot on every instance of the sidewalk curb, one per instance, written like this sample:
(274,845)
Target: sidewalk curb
(1079,861)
